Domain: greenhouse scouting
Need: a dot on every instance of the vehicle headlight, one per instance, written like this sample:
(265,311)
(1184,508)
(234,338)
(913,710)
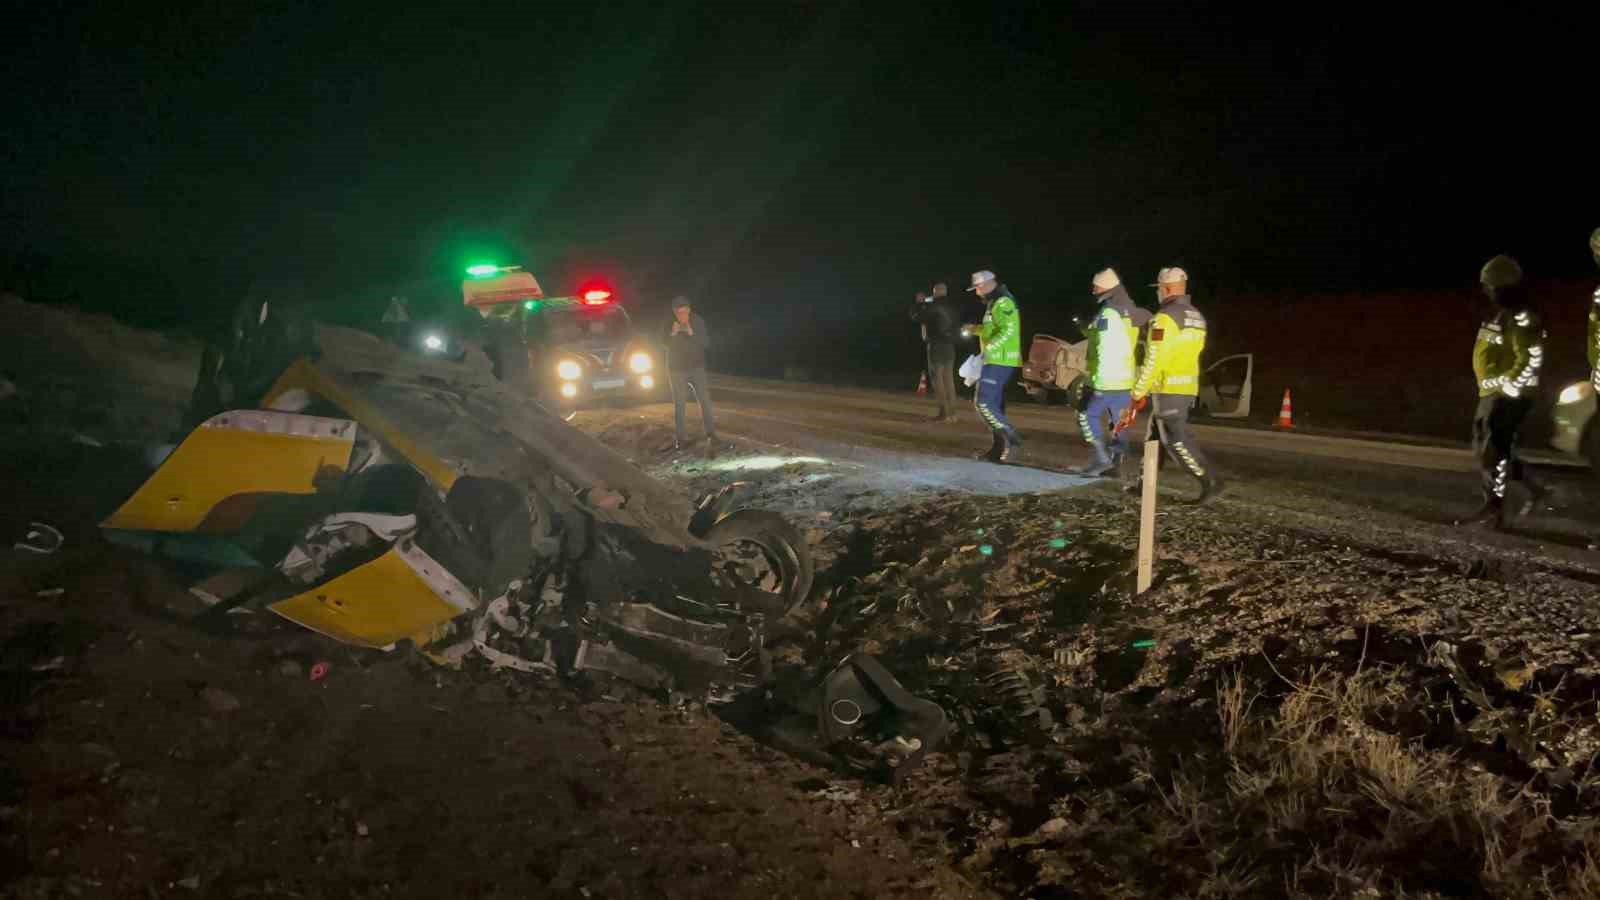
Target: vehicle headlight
(569,370)
(569,390)
(433,342)
(640,362)
(1574,393)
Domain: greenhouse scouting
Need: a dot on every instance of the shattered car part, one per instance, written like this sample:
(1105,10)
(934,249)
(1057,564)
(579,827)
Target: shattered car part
(861,699)
(41,538)
(390,494)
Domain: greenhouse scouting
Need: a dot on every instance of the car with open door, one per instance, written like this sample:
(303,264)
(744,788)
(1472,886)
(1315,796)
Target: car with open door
(1225,387)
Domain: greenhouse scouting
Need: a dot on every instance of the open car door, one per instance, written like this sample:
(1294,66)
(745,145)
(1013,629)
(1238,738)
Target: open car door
(1225,387)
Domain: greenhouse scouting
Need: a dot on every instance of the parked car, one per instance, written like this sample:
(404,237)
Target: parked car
(1574,427)
(1225,387)
(1055,369)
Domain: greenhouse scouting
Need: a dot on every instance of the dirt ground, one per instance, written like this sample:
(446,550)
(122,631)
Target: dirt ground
(143,757)
(1317,698)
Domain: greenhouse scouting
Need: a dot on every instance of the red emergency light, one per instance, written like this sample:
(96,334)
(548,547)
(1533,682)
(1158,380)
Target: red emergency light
(596,297)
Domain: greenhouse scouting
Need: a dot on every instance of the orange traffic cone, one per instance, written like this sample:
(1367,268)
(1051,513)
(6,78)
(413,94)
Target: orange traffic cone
(922,386)
(1286,412)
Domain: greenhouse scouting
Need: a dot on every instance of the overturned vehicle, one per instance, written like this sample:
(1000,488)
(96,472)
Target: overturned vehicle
(381,497)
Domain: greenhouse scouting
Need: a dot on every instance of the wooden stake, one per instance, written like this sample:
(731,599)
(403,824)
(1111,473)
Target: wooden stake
(1147,516)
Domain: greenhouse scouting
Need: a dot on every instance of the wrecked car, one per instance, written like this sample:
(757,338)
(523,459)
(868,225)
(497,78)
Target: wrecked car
(381,498)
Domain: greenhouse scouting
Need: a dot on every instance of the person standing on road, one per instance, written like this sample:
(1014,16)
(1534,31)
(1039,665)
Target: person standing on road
(1506,359)
(941,323)
(1000,340)
(687,341)
(1113,335)
(1169,377)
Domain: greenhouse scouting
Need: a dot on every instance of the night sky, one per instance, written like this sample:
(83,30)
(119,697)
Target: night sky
(799,168)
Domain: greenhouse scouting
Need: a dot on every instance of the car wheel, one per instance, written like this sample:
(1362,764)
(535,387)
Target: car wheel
(764,551)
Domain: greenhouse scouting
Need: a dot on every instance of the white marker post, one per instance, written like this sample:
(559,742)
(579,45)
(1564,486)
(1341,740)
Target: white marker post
(1147,516)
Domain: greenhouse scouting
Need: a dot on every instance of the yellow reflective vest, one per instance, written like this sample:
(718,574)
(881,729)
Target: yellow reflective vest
(1177,337)
(1508,353)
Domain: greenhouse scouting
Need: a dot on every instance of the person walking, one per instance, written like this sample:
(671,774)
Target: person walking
(1169,378)
(1506,359)
(687,341)
(1113,337)
(1000,340)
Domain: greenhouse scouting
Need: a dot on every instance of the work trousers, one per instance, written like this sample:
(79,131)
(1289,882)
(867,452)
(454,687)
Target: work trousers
(1494,442)
(942,372)
(1169,421)
(682,383)
(990,398)
(1092,418)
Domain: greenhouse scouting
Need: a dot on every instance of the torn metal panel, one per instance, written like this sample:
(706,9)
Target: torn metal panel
(215,479)
(400,593)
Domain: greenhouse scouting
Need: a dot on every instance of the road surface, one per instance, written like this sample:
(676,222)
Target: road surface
(1433,484)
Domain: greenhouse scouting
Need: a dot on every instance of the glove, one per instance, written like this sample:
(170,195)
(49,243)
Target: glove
(1129,414)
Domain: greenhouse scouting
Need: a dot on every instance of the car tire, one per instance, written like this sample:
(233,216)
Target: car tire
(778,540)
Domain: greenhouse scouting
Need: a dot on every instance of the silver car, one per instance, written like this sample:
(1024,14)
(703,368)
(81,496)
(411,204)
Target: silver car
(1574,428)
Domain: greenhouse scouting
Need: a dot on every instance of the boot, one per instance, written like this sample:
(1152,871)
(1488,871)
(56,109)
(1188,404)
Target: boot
(1486,516)
(1011,449)
(1537,494)
(1210,487)
(1101,463)
(995,449)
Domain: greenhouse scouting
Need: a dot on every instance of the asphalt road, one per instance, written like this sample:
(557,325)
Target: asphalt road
(1430,483)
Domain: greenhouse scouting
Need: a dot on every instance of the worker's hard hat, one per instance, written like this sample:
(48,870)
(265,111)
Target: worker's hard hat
(1105,280)
(679,302)
(1171,275)
(979,279)
(1502,271)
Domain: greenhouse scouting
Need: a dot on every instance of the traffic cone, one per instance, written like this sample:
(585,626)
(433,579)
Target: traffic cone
(1286,412)
(922,386)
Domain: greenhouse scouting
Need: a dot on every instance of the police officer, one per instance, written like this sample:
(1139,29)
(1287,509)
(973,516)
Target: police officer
(1594,318)
(1169,377)
(1000,340)
(1506,359)
(1113,337)
(1592,341)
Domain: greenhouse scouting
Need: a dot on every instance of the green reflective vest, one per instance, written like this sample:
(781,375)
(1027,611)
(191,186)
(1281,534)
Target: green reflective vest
(1001,335)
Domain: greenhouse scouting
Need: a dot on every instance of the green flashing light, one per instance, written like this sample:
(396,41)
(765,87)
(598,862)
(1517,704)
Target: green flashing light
(986,550)
(1058,543)
(1145,644)
(530,305)
(484,270)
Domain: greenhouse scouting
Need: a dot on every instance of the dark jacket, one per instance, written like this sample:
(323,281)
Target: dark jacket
(939,318)
(686,351)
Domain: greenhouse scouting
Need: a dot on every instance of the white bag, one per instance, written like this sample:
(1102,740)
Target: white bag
(971,370)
